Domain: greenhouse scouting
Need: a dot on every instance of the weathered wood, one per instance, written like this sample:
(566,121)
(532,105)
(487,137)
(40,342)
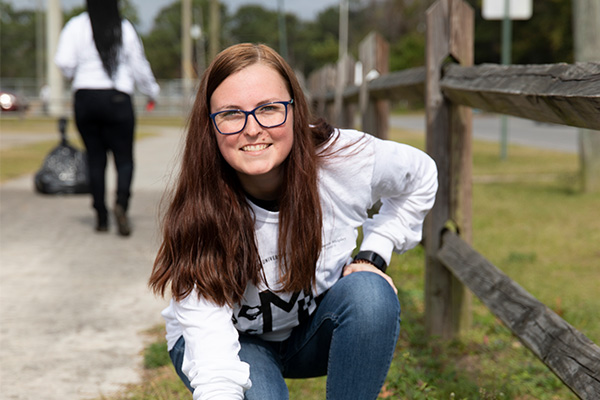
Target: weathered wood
(586,31)
(449,34)
(374,56)
(321,83)
(566,94)
(408,84)
(567,352)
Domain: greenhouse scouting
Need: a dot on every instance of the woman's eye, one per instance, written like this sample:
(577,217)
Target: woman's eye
(233,114)
(268,108)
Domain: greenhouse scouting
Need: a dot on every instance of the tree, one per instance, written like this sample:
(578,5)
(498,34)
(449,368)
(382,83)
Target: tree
(18,41)
(255,24)
(544,39)
(163,42)
(127,9)
(18,38)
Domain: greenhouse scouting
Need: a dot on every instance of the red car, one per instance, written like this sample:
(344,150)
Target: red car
(10,101)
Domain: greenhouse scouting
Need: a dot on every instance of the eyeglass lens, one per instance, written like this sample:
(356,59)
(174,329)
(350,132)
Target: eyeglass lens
(268,115)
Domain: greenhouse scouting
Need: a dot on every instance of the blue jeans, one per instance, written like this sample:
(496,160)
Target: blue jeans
(350,338)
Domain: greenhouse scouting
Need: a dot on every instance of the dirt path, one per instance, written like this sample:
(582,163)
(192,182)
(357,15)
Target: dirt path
(74,304)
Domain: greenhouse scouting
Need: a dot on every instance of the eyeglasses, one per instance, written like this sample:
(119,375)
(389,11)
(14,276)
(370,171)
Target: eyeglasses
(269,115)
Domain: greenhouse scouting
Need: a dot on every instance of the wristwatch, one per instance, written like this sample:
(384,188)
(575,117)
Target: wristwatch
(372,258)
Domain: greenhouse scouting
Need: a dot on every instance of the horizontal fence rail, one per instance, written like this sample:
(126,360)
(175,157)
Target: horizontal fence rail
(572,357)
(567,94)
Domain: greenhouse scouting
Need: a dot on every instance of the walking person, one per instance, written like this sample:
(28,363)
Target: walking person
(259,235)
(104,57)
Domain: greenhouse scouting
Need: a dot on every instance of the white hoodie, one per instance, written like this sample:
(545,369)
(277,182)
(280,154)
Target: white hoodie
(78,59)
(361,171)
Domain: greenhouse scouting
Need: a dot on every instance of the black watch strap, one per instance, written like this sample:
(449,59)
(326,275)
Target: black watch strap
(373,258)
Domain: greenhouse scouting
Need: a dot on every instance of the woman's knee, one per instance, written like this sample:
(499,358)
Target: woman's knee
(370,297)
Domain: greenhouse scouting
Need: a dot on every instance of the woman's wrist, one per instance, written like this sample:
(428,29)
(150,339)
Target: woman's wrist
(370,257)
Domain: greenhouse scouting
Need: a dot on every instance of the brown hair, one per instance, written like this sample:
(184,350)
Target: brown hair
(208,229)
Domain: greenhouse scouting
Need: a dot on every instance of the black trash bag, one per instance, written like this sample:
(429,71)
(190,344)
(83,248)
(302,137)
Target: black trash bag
(65,169)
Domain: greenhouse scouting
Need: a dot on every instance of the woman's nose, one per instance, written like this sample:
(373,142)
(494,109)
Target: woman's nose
(253,128)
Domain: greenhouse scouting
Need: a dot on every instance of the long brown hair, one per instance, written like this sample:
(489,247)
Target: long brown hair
(208,229)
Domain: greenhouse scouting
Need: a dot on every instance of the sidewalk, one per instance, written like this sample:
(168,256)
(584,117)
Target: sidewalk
(74,304)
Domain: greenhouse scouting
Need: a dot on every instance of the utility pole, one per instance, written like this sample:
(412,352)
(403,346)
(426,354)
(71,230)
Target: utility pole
(586,26)
(506,10)
(215,28)
(282,30)
(341,64)
(506,60)
(39,44)
(186,52)
(54,23)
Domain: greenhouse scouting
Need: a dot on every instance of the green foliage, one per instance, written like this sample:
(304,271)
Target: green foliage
(127,9)
(545,38)
(18,41)
(163,43)
(156,355)
(407,52)
(254,23)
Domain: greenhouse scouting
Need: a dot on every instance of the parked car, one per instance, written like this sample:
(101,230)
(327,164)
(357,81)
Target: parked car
(11,101)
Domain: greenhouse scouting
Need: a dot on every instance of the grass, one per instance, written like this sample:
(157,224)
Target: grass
(530,220)
(27,158)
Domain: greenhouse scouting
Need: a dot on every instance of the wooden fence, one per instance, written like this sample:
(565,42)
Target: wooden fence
(449,85)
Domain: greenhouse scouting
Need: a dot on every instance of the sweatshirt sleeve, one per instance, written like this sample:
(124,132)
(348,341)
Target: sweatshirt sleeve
(211,359)
(141,70)
(404,180)
(65,57)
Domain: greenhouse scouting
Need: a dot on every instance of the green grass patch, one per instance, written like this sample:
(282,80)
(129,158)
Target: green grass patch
(531,221)
(21,160)
(28,157)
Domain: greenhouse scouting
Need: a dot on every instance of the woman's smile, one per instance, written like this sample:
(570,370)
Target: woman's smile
(253,148)
(256,153)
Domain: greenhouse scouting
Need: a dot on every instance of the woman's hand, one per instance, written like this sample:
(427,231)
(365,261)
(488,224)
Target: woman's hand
(363,266)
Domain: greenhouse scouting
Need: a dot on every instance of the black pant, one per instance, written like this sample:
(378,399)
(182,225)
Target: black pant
(106,122)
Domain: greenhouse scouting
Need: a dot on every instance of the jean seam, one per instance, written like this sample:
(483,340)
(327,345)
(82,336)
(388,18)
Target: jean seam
(328,316)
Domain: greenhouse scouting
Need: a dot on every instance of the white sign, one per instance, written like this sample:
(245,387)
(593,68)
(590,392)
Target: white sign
(518,9)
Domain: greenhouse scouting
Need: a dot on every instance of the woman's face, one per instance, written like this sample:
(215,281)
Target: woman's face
(256,153)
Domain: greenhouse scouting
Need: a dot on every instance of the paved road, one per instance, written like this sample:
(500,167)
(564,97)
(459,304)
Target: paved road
(74,304)
(520,131)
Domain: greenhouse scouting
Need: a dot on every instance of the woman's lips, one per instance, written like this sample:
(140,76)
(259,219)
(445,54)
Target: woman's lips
(255,147)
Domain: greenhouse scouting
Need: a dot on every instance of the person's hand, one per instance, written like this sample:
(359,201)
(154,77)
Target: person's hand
(150,105)
(356,267)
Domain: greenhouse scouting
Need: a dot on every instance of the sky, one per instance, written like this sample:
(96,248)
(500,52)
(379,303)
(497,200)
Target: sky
(147,9)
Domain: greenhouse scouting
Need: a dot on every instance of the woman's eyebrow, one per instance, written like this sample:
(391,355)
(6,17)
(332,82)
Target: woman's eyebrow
(236,107)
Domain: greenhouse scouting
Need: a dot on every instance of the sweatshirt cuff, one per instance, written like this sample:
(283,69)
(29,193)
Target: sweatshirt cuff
(379,244)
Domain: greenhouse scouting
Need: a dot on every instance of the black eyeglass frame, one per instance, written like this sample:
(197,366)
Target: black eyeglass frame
(252,112)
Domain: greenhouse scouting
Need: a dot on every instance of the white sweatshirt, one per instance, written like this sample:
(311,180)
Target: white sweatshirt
(350,182)
(78,59)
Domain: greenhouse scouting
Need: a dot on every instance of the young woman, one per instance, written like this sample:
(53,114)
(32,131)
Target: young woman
(104,57)
(259,233)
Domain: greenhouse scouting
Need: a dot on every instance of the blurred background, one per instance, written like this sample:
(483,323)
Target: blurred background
(181,37)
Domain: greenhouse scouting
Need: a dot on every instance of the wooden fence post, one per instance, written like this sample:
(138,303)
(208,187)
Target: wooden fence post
(344,110)
(449,129)
(374,56)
